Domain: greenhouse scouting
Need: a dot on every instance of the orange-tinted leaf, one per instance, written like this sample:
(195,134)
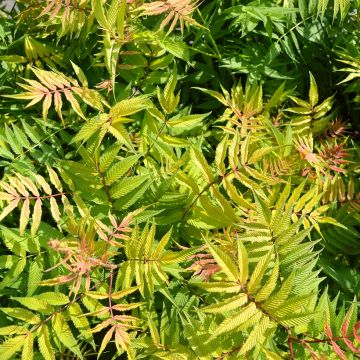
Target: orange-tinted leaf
(356,332)
(46,105)
(338,351)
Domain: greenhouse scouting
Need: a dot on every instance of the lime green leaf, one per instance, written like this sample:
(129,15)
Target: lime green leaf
(214,94)
(242,262)
(100,14)
(22,314)
(225,262)
(13,274)
(89,129)
(53,298)
(200,161)
(270,285)
(313,92)
(128,107)
(126,185)
(120,168)
(34,304)
(28,349)
(258,273)
(230,304)
(45,346)
(220,287)
(63,332)
(256,335)
(187,121)
(10,346)
(233,322)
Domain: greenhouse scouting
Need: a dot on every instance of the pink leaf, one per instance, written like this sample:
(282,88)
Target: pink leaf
(338,351)
(356,331)
(328,331)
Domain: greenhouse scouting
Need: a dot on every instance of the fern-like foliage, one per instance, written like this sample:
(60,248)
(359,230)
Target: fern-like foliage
(21,190)
(199,198)
(74,16)
(175,10)
(50,88)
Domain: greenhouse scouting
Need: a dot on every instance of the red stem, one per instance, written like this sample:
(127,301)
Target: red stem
(110,294)
(39,197)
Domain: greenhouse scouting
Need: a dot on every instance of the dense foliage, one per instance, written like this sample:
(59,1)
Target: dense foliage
(179,179)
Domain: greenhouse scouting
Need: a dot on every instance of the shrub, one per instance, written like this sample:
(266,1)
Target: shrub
(179,179)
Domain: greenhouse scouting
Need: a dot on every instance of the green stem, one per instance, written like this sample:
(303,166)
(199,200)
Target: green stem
(213,42)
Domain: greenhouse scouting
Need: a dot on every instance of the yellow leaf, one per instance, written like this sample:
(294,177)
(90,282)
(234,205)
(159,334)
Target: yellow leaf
(200,161)
(28,352)
(10,346)
(9,208)
(24,216)
(129,107)
(36,219)
(243,262)
(74,103)
(313,92)
(106,340)
(58,104)
(54,209)
(46,105)
(45,347)
(54,179)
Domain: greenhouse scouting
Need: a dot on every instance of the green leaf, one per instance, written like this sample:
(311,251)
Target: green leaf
(256,336)
(120,20)
(64,334)
(13,274)
(233,322)
(258,273)
(80,74)
(105,341)
(313,92)
(89,129)
(162,243)
(220,287)
(220,155)
(45,346)
(121,134)
(36,218)
(34,304)
(100,14)
(279,297)
(263,210)
(28,348)
(225,262)
(214,94)
(22,314)
(187,121)
(74,103)
(200,161)
(242,262)
(174,141)
(120,168)
(126,185)
(230,304)
(13,330)
(173,46)
(128,107)
(177,257)
(53,298)
(298,319)
(10,346)
(108,156)
(270,285)
(35,274)
(80,322)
